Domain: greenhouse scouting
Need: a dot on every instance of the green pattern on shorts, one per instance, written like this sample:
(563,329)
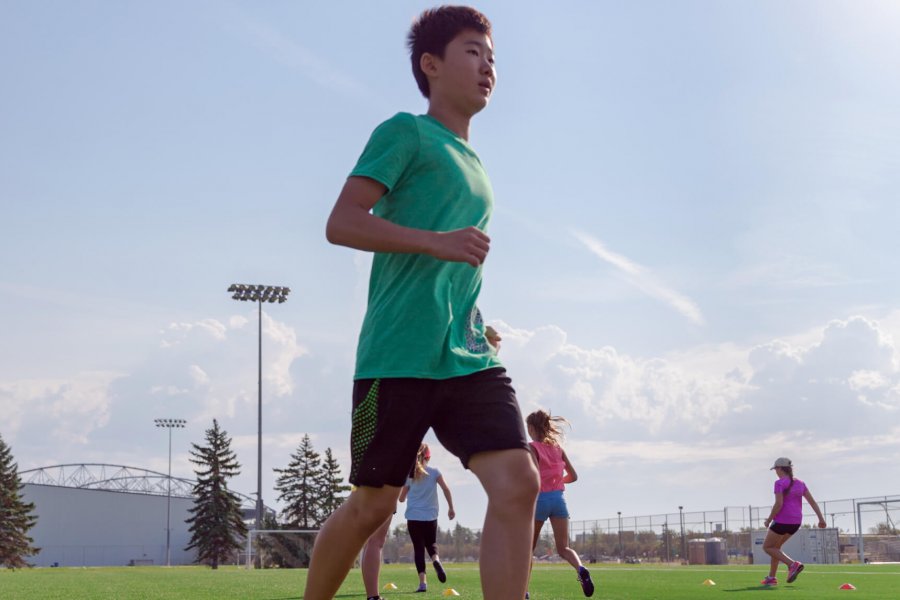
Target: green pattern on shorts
(365,417)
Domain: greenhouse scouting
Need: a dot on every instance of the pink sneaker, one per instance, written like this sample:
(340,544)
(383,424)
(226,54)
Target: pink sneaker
(794,570)
(769,581)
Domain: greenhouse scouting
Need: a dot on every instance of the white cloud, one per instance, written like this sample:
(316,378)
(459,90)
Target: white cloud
(676,417)
(867,380)
(642,278)
(736,392)
(68,410)
(198,375)
(614,390)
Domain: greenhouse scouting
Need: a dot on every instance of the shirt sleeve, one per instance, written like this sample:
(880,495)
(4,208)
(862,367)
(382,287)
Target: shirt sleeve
(389,151)
(779,487)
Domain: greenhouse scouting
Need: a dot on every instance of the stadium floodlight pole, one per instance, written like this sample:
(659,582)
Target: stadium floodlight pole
(169,424)
(681,520)
(259,294)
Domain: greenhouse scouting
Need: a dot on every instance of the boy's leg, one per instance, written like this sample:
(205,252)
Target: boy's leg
(478,420)
(388,423)
(510,480)
(343,535)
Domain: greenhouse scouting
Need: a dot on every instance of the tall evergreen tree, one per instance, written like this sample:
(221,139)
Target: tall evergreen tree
(299,487)
(332,485)
(216,524)
(16,516)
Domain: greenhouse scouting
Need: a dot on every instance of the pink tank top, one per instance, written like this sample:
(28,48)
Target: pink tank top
(550,466)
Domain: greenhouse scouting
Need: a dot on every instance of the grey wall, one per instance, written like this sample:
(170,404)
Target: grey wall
(78,527)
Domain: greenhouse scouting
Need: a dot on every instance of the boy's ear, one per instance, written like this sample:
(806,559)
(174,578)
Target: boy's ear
(428,64)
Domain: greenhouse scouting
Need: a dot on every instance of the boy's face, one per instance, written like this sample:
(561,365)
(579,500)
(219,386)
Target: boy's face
(465,77)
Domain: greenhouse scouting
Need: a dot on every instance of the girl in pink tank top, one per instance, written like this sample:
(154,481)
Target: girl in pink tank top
(785,519)
(556,471)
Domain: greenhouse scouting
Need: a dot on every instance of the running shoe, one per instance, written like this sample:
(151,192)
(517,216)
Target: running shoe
(584,578)
(770,581)
(422,588)
(794,570)
(439,569)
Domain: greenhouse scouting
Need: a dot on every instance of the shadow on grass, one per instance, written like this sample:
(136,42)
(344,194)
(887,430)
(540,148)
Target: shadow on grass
(753,588)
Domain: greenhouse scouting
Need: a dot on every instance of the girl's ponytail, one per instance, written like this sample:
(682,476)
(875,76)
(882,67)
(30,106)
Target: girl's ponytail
(422,458)
(547,429)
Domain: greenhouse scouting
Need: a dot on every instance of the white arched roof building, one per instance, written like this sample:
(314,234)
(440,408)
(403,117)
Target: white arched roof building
(106,515)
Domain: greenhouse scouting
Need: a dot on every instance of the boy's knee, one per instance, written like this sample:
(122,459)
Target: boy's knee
(508,477)
(517,491)
(372,510)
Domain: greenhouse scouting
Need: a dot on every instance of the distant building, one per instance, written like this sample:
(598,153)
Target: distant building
(92,515)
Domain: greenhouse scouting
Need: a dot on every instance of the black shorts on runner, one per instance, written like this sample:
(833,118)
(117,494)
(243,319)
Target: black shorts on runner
(784,528)
(469,414)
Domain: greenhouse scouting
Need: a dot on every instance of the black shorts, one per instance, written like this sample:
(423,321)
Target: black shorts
(469,414)
(784,528)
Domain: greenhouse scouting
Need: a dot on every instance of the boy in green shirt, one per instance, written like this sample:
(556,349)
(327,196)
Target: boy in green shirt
(420,199)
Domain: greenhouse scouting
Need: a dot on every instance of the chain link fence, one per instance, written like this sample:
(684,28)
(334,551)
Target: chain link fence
(869,531)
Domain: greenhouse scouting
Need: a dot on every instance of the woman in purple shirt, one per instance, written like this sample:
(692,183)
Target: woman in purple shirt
(786,518)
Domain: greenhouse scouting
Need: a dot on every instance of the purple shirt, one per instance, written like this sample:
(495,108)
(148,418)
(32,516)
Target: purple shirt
(791,512)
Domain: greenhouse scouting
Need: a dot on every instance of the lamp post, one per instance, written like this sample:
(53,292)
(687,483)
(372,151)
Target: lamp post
(681,520)
(621,550)
(259,294)
(169,424)
(668,549)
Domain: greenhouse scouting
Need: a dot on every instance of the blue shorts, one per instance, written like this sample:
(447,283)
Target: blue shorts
(550,504)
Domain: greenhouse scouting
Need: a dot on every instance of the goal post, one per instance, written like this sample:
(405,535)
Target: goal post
(303,544)
(890,522)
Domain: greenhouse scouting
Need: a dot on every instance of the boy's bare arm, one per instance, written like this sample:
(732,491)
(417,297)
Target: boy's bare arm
(352,224)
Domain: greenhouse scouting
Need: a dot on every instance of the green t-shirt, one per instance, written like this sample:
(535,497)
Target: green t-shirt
(422,320)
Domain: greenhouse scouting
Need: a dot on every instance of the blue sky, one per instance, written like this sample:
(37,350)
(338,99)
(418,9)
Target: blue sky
(693,248)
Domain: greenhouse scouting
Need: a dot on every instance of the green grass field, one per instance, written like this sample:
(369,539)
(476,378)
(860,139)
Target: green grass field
(549,582)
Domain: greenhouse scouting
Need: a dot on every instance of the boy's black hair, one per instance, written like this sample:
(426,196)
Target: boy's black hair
(434,29)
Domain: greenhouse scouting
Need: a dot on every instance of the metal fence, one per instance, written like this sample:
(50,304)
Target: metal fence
(869,531)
